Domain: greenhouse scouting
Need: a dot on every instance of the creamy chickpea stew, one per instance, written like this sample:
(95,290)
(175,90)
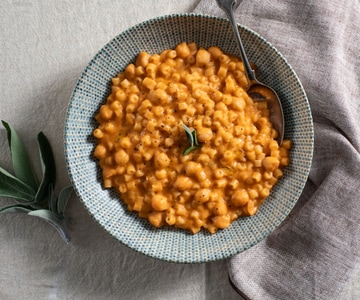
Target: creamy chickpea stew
(143,149)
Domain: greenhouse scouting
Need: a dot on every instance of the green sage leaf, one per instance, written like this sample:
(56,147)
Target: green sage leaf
(54,220)
(48,168)
(52,200)
(188,150)
(63,199)
(192,139)
(189,135)
(20,158)
(16,208)
(12,187)
(193,133)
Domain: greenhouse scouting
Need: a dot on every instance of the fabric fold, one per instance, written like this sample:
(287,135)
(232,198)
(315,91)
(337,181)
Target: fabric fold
(314,252)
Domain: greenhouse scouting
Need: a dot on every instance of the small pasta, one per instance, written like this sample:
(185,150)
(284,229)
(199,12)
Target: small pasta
(141,141)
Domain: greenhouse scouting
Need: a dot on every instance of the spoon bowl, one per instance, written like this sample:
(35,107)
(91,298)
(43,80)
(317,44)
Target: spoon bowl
(256,90)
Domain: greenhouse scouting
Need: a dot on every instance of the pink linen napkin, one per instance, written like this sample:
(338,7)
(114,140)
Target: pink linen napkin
(313,254)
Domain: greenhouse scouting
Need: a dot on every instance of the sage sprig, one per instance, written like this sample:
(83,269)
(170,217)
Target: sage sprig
(33,197)
(192,139)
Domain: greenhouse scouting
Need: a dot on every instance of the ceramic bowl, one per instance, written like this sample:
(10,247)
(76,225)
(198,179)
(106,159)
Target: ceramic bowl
(104,205)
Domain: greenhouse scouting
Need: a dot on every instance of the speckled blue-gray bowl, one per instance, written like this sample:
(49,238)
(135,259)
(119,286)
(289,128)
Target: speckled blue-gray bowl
(105,207)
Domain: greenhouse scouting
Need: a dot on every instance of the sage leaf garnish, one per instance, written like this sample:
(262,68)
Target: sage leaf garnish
(54,220)
(15,208)
(32,198)
(63,199)
(48,168)
(189,135)
(196,143)
(192,139)
(189,149)
(20,158)
(12,187)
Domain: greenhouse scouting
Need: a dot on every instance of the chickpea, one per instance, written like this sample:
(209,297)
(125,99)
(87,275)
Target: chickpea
(220,208)
(98,133)
(161,160)
(204,134)
(130,71)
(159,96)
(222,221)
(156,219)
(202,196)
(110,127)
(270,163)
(240,197)
(121,157)
(159,202)
(100,151)
(202,57)
(192,168)
(142,59)
(182,50)
(160,174)
(183,183)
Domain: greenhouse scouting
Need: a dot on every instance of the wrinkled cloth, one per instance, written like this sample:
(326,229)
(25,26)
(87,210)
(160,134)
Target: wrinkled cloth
(315,251)
(44,47)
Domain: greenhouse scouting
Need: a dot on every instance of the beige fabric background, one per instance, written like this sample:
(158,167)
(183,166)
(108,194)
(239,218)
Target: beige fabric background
(44,47)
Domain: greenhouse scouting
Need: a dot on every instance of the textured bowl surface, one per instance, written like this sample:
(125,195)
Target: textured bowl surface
(105,207)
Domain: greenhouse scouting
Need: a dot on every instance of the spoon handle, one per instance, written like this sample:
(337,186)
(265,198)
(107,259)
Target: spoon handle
(228,7)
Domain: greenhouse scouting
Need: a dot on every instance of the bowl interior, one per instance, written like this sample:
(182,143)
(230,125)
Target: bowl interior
(92,90)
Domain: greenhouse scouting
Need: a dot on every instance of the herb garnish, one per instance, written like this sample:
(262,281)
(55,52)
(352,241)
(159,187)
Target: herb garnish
(192,139)
(34,198)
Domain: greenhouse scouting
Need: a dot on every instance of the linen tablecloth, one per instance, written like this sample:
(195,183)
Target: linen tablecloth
(316,250)
(44,47)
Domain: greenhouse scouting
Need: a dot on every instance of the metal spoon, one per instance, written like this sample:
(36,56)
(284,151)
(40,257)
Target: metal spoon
(256,90)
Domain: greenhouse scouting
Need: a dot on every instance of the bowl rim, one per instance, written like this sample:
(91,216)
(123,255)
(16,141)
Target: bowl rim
(138,26)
